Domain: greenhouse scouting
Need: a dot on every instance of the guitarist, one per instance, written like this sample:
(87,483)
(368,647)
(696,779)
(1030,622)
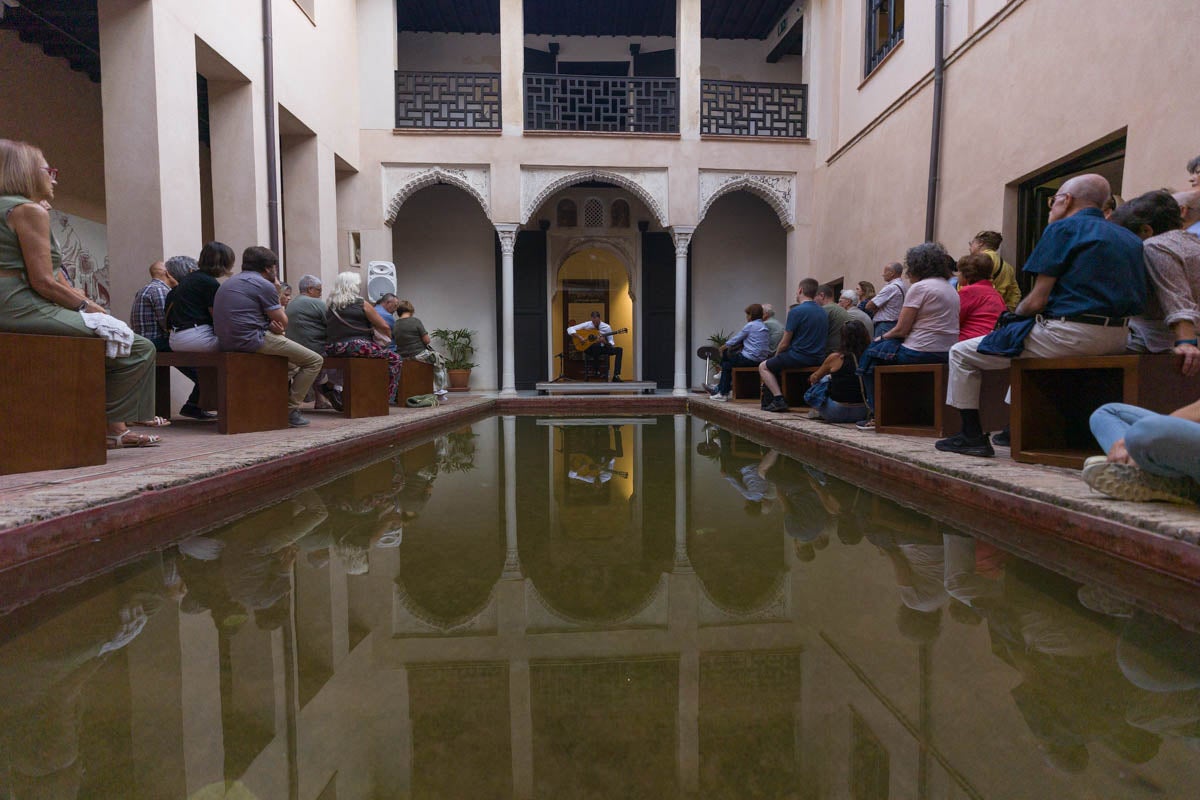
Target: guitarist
(604,347)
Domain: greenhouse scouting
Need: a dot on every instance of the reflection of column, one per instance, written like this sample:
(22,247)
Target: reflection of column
(683,239)
(512,556)
(689,721)
(157,737)
(508,374)
(200,662)
(521,719)
(682,564)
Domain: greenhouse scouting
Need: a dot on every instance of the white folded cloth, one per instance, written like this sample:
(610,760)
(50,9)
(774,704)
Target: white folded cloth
(117,336)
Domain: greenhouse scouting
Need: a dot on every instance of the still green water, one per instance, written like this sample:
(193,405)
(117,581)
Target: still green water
(612,608)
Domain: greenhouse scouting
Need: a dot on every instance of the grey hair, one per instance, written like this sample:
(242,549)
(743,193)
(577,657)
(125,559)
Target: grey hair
(768,310)
(179,266)
(346,290)
(308,282)
(849,294)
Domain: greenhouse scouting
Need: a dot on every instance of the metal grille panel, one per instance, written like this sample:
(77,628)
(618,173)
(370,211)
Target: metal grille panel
(734,108)
(468,100)
(591,103)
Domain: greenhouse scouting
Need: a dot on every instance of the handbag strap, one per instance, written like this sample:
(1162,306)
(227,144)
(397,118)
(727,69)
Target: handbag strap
(333,311)
(862,387)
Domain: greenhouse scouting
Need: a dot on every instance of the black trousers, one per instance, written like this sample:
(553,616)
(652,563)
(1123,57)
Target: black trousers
(161,344)
(600,351)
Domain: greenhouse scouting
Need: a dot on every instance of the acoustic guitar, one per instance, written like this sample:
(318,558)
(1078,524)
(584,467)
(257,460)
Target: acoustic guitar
(583,340)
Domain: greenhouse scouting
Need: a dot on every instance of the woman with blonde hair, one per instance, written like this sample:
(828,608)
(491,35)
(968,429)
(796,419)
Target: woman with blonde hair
(33,301)
(352,325)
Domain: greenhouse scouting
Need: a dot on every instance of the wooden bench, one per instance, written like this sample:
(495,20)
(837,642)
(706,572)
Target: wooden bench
(53,400)
(910,399)
(251,389)
(1053,399)
(364,386)
(794,383)
(746,385)
(416,377)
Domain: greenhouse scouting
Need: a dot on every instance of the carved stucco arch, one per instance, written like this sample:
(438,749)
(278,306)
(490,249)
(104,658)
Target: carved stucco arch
(775,190)
(608,620)
(610,244)
(632,182)
(418,611)
(472,181)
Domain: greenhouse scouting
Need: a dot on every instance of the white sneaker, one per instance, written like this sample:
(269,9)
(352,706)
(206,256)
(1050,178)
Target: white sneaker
(721,398)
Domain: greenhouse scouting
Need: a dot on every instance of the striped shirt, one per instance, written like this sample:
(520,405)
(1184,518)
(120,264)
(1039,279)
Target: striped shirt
(149,315)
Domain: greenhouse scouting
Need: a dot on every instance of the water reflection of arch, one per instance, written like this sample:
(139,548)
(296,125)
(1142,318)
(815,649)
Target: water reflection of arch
(447,576)
(741,568)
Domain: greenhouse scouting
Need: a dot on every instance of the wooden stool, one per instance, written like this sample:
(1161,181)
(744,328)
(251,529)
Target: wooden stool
(364,385)
(794,383)
(910,399)
(746,385)
(416,377)
(1053,399)
(252,388)
(53,400)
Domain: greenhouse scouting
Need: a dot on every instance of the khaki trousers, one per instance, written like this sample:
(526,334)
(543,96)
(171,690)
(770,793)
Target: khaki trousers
(303,365)
(1048,339)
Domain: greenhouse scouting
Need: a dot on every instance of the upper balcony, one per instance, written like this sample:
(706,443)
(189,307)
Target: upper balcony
(604,69)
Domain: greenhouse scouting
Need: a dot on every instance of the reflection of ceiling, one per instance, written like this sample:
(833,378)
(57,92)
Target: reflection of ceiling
(720,19)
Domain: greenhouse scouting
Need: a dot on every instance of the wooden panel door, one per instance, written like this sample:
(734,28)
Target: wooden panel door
(658,309)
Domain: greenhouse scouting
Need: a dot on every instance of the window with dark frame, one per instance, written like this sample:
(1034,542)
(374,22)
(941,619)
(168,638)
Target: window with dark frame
(885,30)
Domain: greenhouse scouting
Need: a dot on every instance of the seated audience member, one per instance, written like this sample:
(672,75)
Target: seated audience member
(774,326)
(33,301)
(248,318)
(827,299)
(754,339)
(866,293)
(1003,276)
(802,345)
(190,304)
(884,307)
(147,317)
(1172,258)
(928,324)
(386,308)
(849,301)
(306,326)
(1089,280)
(1110,205)
(350,325)
(979,304)
(842,399)
(1193,170)
(155,304)
(1149,456)
(413,341)
(285,294)
(179,267)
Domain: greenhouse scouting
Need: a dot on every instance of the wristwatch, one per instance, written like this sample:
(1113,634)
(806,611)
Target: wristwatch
(82,306)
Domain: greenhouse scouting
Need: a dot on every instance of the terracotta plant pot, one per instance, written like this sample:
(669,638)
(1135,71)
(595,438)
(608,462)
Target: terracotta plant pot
(459,378)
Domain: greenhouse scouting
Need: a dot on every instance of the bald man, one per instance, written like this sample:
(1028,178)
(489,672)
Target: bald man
(1089,280)
(148,316)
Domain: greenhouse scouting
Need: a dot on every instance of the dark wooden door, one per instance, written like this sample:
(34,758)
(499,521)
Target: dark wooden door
(529,308)
(658,309)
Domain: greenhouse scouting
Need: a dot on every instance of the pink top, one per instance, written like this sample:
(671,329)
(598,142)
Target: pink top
(979,305)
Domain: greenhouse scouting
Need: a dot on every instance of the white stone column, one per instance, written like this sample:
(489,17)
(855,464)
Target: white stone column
(512,67)
(508,372)
(687,66)
(793,271)
(151,144)
(683,239)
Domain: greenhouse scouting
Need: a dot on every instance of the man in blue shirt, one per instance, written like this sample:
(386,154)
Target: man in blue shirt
(1090,279)
(802,345)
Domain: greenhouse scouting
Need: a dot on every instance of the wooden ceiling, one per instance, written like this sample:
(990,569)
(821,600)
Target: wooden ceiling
(69,30)
(720,19)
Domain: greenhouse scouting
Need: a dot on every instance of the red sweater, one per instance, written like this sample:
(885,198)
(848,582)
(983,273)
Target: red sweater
(979,305)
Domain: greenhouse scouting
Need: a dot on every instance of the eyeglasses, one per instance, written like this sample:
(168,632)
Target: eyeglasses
(1050,201)
(52,172)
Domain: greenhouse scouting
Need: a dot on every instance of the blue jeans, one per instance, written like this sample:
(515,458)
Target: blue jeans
(868,362)
(833,411)
(1157,443)
(728,362)
(883,327)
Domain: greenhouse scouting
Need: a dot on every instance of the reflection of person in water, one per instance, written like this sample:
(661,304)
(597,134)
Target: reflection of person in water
(806,520)
(914,546)
(591,453)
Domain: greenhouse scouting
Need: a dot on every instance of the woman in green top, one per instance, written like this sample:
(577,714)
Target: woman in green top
(32,301)
(412,341)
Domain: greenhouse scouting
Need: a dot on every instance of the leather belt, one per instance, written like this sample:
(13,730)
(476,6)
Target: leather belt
(1093,319)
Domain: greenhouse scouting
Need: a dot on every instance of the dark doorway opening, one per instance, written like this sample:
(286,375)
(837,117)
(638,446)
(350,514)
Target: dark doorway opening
(1106,158)
(658,309)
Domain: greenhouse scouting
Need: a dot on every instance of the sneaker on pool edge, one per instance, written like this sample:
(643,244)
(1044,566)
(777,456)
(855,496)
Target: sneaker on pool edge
(1128,482)
(1002,438)
(778,404)
(1087,462)
(967,447)
(867,424)
(296,419)
(721,398)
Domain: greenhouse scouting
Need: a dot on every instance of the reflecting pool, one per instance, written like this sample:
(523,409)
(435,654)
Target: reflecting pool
(593,608)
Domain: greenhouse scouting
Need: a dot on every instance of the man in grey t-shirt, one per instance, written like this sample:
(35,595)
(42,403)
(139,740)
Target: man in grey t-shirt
(774,326)
(248,318)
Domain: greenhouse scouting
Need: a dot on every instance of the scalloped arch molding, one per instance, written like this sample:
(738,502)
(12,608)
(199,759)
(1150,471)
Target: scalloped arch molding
(776,189)
(401,183)
(539,185)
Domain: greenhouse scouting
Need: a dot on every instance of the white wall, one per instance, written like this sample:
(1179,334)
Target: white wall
(446,265)
(738,258)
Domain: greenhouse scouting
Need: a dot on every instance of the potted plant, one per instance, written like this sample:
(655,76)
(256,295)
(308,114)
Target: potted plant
(459,346)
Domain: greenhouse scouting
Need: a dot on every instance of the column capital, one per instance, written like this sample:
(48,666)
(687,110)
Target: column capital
(682,234)
(507,231)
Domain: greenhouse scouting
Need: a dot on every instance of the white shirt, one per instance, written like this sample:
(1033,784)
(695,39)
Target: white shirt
(888,301)
(605,329)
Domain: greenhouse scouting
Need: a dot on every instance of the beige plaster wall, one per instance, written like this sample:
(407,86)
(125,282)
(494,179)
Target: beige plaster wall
(1013,107)
(44,102)
(738,258)
(446,265)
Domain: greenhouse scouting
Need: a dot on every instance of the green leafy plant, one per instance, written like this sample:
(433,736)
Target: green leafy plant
(458,452)
(717,339)
(459,345)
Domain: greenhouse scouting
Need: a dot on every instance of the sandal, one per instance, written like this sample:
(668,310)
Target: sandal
(156,422)
(128,438)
